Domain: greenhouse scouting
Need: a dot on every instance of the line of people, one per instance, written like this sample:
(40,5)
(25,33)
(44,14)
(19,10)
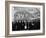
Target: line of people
(25,25)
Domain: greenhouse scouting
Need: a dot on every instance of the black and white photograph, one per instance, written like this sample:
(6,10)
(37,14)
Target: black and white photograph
(25,18)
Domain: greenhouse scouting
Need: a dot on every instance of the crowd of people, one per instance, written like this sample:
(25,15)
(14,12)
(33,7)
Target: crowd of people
(25,25)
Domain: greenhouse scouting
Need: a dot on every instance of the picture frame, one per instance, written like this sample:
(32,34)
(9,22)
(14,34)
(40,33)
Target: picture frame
(21,6)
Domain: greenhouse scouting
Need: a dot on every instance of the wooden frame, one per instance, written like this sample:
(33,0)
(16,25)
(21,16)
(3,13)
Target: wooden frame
(7,19)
